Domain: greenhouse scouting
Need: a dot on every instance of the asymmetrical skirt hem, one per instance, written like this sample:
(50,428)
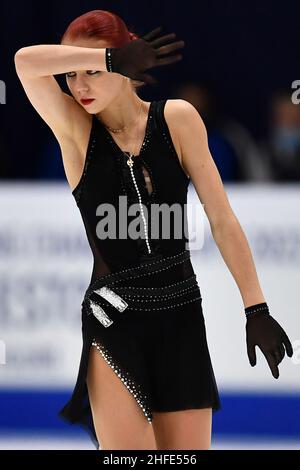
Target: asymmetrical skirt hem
(147,324)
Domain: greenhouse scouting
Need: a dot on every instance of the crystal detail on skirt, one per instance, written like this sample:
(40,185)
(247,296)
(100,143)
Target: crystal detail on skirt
(99,313)
(133,387)
(112,298)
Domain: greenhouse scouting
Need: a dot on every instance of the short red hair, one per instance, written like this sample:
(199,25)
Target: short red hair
(99,24)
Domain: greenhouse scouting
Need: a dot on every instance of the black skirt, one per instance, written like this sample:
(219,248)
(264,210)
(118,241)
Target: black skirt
(147,323)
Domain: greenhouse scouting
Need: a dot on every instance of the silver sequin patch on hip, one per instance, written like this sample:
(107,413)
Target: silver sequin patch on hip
(110,296)
(99,313)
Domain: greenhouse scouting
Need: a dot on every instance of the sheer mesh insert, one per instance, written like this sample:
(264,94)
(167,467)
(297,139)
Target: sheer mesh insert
(100,267)
(148,180)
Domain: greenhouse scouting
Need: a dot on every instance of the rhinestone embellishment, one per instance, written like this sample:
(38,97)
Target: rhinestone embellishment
(133,387)
(108,59)
(99,313)
(182,256)
(130,164)
(112,298)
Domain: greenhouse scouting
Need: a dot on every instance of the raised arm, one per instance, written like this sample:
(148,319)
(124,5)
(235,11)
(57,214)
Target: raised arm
(36,65)
(52,59)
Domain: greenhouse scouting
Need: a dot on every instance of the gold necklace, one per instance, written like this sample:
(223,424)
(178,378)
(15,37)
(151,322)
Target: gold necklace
(121,129)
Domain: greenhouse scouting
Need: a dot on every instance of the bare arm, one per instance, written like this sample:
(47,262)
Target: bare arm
(225,227)
(51,59)
(35,67)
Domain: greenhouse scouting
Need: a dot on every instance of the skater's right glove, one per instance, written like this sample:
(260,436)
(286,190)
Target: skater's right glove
(141,54)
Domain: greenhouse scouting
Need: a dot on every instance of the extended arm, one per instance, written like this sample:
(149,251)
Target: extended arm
(225,227)
(261,328)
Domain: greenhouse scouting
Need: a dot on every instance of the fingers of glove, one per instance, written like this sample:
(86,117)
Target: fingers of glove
(170,48)
(272,364)
(163,40)
(251,354)
(152,34)
(287,343)
(169,60)
(282,350)
(278,355)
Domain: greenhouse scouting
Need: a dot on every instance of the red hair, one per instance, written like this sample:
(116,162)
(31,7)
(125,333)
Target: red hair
(100,24)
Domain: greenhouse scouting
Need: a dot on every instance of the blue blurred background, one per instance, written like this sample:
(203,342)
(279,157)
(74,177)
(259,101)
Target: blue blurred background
(241,71)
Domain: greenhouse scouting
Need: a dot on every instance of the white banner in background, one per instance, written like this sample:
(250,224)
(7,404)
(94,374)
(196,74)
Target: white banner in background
(46,264)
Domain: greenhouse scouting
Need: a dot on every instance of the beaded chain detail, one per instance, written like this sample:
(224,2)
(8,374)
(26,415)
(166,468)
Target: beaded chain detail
(143,296)
(125,377)
(106,321)
(142,299)
(155,288)
(157,298)
(130,164)
(166,306)
(148,273)
(152,263)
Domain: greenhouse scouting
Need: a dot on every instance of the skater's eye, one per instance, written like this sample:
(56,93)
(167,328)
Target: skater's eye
(89,72)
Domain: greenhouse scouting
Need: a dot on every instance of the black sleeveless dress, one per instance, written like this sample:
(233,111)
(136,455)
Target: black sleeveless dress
(143,308)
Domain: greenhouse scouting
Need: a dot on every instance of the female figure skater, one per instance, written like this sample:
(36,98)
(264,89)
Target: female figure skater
(145,358)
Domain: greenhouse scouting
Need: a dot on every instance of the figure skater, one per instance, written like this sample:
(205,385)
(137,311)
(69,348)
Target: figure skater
(145,378)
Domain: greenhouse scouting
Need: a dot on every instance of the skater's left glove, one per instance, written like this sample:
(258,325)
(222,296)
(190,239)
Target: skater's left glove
(264,331)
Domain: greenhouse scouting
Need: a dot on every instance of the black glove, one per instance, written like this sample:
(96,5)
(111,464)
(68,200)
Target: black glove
(141,54)
(264,331)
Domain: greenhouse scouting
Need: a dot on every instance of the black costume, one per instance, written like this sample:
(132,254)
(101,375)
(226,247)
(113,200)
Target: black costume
(143,307)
